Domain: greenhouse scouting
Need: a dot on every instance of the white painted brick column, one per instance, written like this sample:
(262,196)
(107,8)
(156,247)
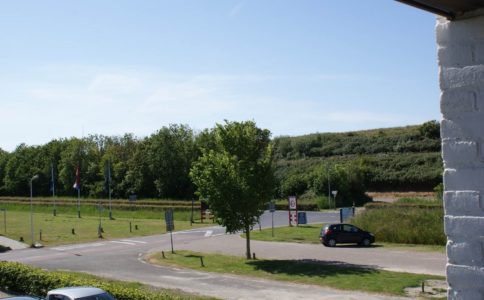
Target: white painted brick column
(461,62)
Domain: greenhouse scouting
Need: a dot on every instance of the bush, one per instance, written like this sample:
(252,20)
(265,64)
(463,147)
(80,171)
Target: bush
(22,279)
(323,202)
(404,223)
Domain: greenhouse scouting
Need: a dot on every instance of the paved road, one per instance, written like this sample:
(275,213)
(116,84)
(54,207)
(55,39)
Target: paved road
(123,259)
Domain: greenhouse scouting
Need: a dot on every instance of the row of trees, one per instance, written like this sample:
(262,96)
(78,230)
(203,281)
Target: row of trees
(158,166)
(155,166)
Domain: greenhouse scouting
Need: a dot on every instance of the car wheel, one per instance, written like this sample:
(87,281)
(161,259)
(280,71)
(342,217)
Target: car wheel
(366,242)
(331,243)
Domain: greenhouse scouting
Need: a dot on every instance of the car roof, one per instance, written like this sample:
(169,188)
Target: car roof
(77,291)
(21,298)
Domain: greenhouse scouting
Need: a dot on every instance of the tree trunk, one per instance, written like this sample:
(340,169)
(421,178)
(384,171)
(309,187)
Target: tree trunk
(247,240)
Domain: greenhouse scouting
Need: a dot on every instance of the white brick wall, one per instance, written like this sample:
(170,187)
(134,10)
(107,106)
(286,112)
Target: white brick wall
(461,61)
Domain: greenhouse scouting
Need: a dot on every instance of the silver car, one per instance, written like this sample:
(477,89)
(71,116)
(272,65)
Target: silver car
(21,298)
(79,293)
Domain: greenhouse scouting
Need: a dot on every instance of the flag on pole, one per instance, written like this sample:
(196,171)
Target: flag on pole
(77,184)
(52,180)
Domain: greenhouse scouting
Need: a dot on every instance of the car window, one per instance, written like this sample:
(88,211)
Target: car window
(349,228)
(58,297)
(104,296)
(336,227)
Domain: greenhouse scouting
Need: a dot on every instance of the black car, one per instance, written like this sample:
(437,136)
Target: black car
(333,234)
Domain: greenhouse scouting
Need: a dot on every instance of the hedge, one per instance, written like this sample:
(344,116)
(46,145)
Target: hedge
(22,279)
(300,206)
(384,205)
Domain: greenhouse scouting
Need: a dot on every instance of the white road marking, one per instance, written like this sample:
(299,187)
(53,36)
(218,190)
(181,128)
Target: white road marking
(133,241)
(125,243)
(73,247)
(189,231)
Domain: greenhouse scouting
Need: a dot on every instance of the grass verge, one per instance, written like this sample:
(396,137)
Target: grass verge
(321,273)
(404,223)
(58,230)
(309,234)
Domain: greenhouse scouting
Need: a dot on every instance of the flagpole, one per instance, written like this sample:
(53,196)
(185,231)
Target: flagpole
(77,185)
(109,189)
(79,202)
(53,188)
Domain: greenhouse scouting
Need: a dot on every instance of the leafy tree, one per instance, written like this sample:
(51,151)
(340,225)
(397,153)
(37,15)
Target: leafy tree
(3,162)
(170,153)
(347,179)
(236,177)
(430,129)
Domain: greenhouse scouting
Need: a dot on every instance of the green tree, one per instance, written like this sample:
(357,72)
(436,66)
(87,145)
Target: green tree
(236,177)
(430,129)
(3,162)
(170,153)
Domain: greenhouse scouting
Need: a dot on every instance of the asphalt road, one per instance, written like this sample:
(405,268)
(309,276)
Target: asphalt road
(123,259)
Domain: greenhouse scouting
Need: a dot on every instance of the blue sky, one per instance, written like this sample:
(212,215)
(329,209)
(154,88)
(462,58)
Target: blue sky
(70,68)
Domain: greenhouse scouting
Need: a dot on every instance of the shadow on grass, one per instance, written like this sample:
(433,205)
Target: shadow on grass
(309,267)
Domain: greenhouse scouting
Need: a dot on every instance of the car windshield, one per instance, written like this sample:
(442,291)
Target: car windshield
(103,296)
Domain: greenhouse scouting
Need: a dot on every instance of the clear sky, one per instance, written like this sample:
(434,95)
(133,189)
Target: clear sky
(69,68)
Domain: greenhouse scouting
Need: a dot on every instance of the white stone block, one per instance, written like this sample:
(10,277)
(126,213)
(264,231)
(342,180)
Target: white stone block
(468,252)
(469,76)
(455,102)
(460,31)
(463,203)
(468,228)
(457,153)
(478,52)
(456,294)
(470,179)
(469,128)
(456,55)
(465,277)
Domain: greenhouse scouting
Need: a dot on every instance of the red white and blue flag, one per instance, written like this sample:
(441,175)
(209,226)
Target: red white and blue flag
(77,184)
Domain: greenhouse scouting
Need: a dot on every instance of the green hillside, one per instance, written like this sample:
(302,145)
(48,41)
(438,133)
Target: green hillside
(392,159)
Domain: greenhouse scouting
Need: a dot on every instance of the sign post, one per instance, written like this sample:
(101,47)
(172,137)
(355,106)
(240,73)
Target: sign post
(272,209)
(334,197)
(170,226)
(4,219)
(132,200)
(292,211)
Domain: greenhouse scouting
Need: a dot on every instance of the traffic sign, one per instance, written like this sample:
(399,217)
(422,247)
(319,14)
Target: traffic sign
(170,226)
(292,202)
(272,207)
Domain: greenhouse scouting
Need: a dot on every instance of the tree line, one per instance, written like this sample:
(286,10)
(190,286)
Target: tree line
(158,166)
(153,167)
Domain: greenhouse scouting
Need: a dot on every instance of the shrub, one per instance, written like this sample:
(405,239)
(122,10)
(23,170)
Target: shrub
(404,223)
(323,202)
(24,279)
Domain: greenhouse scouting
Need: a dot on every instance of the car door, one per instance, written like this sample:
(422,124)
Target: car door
(349,234)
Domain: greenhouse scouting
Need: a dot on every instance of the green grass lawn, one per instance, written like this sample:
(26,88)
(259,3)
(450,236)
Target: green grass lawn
(321,273)
(309,234)
(58,230)
(133,212)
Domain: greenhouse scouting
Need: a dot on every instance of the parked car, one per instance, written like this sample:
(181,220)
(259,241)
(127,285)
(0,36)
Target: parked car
(333,234)
(79,293)
(21,298)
